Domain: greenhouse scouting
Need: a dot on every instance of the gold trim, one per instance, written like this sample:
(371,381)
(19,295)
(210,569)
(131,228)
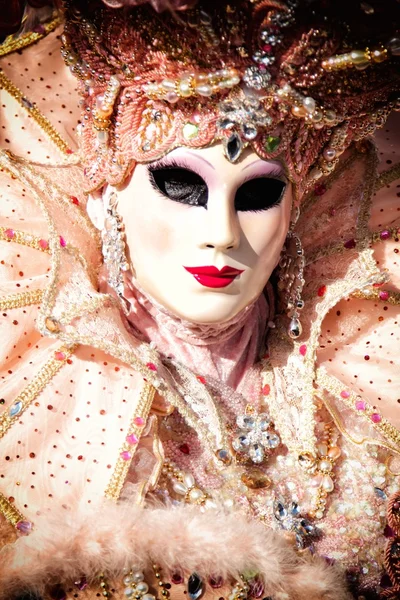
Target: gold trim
(31,108)
(9,511)
(114,487)
(334,387)
(26,239)
(388,176)
(373,294)
(20,300)
(12,43)
(34,388)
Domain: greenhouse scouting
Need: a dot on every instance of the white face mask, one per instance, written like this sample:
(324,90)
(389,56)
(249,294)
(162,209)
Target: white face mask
(204,235)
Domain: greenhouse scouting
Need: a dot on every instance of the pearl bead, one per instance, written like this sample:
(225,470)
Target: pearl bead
(184,88)
(142,587)
(327,483)
(195,494)
(334,452)
(203,89)
(172,97)
(179,487)
(309,104)
(379,56)
(188,480)
(325,465)
(316,116)
(168,85)
(322,449)
(137,576)
(329,153)
(330,116)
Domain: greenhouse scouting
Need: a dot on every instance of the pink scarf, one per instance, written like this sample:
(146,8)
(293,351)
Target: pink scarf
(225,352)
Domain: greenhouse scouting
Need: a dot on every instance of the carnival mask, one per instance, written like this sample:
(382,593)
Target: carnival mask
(204,235)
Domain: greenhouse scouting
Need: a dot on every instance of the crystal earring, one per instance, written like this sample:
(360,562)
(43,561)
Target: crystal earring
(113,247)
(291,282)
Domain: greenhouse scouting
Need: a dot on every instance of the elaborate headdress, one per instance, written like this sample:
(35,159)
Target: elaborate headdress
(284,77)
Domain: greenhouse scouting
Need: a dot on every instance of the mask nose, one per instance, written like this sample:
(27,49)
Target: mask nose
(221,228)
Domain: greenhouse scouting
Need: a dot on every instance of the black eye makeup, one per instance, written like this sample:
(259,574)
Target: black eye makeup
(180,183)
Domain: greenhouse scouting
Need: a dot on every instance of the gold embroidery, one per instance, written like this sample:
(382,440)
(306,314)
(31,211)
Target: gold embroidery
(20,300)
(349,398)
(127,451)
(8,510)
(33,389)
(12,43)
(374,294)
(388,176)
(32,110)
(26,239)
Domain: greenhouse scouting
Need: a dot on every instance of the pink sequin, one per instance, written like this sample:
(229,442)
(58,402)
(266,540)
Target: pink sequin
(10,233)
(303,349)
(385,234)
(43,244)
(361,405)
(151,366)
(384,295)
(266,390)
(132,439)
(125,455)
(59,355)
(321,291)
(63,243)
(139,421)
(345,394)
(376,418)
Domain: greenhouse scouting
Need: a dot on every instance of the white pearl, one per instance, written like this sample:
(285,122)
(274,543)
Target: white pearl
(195,494)
(188,480)
(148,597)
(179,487)
(137,576)
(325,465)
(142,587)
(169,85)
(327,483)
(203,90)
(309,104)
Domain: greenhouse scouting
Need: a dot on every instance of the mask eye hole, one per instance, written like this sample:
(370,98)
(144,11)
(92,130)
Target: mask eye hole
(180,185)
(258,194)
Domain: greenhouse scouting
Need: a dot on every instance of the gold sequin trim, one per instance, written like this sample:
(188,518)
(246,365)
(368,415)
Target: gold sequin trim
(20,300)
(127,451)
(388,176)
(9,511)
(26,239)
(12,43)
(34,388)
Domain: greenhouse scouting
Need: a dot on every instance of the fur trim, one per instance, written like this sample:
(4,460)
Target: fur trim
(112,538)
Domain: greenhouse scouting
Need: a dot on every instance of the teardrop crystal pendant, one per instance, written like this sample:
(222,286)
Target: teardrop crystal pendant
(233,147)
(295,329)
(195,586)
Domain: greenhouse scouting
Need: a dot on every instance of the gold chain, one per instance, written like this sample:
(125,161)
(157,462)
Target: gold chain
(31,108)
(12,43)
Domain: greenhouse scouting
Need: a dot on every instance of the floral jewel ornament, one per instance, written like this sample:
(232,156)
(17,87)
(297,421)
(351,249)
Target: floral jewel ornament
(255,437)
(289,518)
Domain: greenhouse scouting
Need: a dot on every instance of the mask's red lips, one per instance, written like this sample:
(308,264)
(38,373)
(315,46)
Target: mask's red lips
(210,276)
